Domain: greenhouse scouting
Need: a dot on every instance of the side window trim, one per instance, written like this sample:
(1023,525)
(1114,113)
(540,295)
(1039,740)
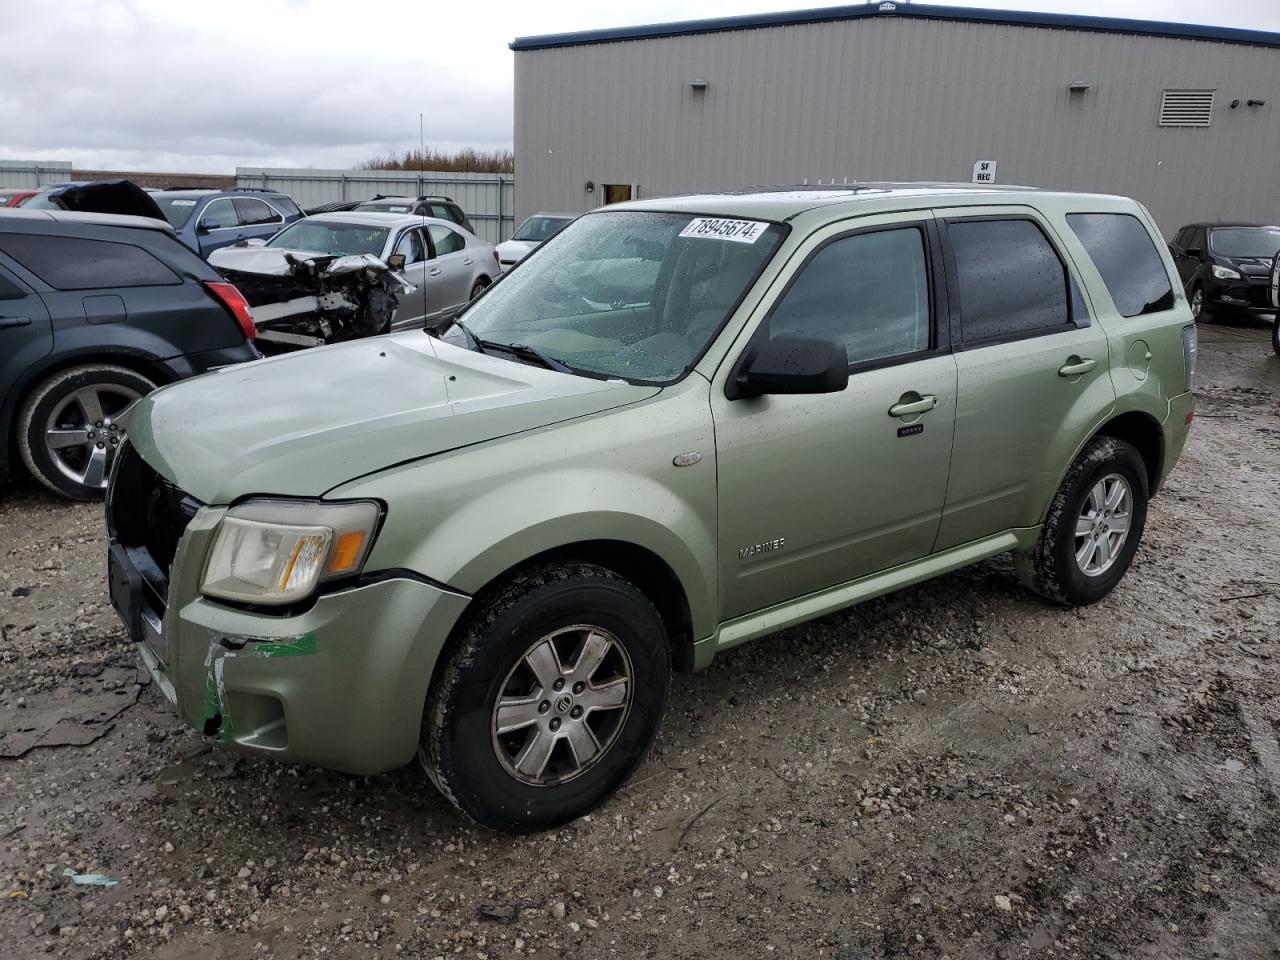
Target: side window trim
(953,284)
(939,335)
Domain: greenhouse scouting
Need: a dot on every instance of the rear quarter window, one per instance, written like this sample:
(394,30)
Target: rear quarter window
(75,263)
(1126,258)
(286,206)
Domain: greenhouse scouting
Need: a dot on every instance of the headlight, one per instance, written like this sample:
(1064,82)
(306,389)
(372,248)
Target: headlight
(1225,273)
(278,551)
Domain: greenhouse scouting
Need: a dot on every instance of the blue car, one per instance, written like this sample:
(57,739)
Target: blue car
(208,219)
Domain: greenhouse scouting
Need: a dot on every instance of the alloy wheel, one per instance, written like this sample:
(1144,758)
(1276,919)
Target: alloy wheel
(1197,302)
(562,705)
(1103,525)
(83,432)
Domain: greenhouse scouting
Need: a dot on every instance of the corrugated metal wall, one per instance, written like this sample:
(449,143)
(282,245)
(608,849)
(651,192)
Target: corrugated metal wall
(487,198)
(30,174)
(900,99)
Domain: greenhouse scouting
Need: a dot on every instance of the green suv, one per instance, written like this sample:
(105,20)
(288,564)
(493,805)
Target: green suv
(678,425)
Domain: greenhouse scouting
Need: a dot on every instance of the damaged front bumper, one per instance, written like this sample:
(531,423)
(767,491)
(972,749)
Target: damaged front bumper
(305,301)
(340,684)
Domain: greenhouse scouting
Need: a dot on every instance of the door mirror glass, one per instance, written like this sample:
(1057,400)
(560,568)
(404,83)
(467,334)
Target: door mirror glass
(792,365)
(396,261)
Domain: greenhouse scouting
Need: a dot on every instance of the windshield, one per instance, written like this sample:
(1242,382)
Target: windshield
(1246,242)
(635,295)
(177,210)
(537,229)
(41,201)
(341,239)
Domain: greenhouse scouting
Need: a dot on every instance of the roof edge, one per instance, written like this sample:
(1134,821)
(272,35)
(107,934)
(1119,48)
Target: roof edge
(1061,21)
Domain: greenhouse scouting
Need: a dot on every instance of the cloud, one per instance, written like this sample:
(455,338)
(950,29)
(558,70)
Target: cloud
(204,86)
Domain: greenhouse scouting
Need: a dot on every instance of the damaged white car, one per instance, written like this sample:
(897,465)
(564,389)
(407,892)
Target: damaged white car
(341,276)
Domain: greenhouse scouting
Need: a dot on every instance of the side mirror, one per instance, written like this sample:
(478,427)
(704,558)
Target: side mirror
(396,261)
(254,242)
(791,365)
(1193,252)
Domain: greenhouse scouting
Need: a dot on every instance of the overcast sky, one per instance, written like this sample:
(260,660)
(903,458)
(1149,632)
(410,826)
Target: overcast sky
(194,87)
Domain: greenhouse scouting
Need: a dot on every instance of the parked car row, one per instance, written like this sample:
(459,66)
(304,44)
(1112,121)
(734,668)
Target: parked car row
(1225,267)
(678,425)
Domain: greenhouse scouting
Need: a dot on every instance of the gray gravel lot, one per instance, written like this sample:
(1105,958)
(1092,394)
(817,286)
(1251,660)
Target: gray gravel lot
(957,770)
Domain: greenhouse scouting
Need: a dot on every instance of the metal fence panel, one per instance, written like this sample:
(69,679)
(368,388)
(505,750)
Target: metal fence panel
(31,174)
(487,198)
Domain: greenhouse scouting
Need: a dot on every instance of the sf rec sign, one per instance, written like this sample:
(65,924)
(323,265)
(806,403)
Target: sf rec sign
(984,171)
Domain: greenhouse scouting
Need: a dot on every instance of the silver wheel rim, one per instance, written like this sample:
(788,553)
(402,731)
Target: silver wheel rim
(1103,525)
(82,433)
(1197,302)
(562,705)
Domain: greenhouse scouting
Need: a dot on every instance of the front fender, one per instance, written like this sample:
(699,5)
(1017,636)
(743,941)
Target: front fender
(465,518)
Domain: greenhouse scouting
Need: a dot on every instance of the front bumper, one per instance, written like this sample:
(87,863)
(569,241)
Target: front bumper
(1251,293)
(340,684)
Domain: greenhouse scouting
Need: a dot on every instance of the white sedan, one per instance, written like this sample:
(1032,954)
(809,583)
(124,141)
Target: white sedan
(535,231)
(447,266)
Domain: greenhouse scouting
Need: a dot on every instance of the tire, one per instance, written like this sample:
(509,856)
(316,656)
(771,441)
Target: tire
(477,767)
(1275,334)
(1053,568)
(478,288)
(66,464)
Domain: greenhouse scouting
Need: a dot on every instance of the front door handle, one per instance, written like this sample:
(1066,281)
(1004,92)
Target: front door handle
(909,408)
(433,272)
(1075,366)
(15,321)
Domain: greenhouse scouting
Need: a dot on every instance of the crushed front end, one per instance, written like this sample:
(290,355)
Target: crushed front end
(301,300)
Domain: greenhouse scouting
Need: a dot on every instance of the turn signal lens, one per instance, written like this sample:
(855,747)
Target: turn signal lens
(346,552)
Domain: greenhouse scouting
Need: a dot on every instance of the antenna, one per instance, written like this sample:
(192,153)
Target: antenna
(424,237)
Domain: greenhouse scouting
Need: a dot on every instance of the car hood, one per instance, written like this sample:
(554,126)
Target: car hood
(514,249)
(269,261)
(303,423)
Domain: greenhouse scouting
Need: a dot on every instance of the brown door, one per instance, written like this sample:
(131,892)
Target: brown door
(616,193)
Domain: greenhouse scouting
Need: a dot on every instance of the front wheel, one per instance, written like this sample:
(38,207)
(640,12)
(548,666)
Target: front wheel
(1200,305)
(1275,334)
(550,700)
(1093,527)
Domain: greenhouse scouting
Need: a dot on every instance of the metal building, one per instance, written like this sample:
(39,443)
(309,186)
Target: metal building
(1184,118)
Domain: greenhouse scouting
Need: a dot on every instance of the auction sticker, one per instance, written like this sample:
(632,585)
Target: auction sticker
(715,228)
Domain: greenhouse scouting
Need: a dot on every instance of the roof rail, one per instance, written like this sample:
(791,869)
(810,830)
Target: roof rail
(253,190)
(184,186)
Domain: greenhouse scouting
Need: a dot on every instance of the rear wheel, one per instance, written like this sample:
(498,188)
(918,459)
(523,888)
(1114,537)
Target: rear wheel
(550,699)
(1093,528)
(478,287)
(68,429)
(1275,333)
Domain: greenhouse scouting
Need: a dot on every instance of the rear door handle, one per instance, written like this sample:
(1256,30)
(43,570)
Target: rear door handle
(910,408)
(15,321)
(1075,366)
(468,261)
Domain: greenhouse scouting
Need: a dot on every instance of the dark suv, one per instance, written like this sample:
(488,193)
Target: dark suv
(208,219)
(443,208)
(1225,267)
(95,311)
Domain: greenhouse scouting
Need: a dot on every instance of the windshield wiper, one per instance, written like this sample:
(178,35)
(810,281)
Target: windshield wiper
(526,351)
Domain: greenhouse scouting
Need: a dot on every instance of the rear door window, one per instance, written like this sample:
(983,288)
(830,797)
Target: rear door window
(254,213)
(868,291)
(73,263)
(1122,250)
(1010,280)
(445,240)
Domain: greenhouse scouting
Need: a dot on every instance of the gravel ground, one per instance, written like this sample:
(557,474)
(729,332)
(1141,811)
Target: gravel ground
(958,770)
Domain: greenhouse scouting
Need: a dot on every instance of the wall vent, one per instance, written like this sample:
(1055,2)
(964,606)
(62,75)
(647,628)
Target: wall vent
(1186,108)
